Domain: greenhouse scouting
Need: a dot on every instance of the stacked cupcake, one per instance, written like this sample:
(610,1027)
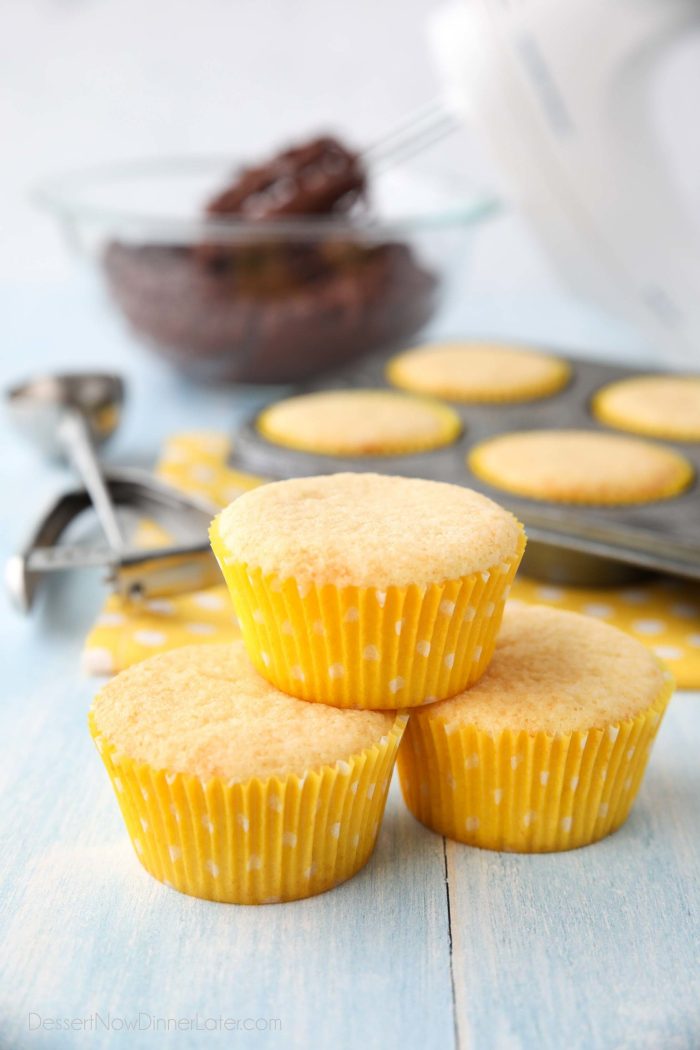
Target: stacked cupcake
(259,771)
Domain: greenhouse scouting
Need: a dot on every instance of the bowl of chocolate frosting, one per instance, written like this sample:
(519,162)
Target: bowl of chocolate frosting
(274,272)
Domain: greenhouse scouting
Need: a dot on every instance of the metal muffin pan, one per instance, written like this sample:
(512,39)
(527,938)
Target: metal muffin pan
(567,543)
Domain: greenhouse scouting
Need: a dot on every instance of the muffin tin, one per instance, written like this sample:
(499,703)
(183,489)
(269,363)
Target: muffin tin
(568,544)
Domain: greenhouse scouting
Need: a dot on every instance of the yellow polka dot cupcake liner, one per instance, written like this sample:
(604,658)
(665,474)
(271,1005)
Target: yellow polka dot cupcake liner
(261,841)
(526,792)
(367,648)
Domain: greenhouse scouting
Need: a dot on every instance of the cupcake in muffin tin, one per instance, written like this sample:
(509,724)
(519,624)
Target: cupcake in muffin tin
(359,423)
(662,406)
(533,426)
(580,466)
(479,372)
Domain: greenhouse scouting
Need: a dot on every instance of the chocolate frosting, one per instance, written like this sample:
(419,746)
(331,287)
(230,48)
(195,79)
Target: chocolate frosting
(279,309)
(317,178)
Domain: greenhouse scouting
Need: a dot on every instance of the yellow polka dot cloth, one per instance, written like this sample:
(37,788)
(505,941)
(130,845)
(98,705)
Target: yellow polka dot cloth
(665,614)
(125,631)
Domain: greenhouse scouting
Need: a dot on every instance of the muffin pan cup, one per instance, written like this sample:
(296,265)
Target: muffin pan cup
(550,376)
(363,647)
(260,841)
(607,410)
(526,792)
(662,535)
(447,425)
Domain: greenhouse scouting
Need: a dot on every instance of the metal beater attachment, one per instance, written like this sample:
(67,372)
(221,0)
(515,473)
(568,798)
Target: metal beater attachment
(69,416)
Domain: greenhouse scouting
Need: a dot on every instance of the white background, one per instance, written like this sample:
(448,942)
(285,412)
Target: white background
(84,81)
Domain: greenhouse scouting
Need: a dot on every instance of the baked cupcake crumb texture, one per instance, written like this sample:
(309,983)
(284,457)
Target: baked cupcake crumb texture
(361,590)
(547,751)
(233,792)
(359,423)
(580,466)
(662,406)
(479,372)
(367,530)
(205,711)
(557,672)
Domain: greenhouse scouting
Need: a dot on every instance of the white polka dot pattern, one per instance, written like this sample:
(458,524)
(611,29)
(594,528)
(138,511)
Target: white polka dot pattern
(111,645)
(262,840)
(151,639)
(393,647)
(524,792)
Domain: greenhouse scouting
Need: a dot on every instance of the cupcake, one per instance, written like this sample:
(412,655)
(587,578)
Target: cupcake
(548,750)
(233,791)
(480,372)
(580,466)
(364,590)
(659,406)
(359,423)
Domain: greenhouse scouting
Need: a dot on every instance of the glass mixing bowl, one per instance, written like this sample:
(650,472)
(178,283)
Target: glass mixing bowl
(267,301)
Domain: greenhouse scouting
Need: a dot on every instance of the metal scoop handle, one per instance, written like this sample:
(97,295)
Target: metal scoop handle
(133,573)
(74,435)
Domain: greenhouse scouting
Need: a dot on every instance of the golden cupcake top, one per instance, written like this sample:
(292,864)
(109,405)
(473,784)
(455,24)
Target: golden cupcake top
(479,372)
(580,466)
(367,530)
(359,423)
(205,711)
(660,406)
(557,672)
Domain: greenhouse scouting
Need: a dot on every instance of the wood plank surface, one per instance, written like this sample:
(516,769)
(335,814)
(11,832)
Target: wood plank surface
(597,947)
(591,950)
(85,930)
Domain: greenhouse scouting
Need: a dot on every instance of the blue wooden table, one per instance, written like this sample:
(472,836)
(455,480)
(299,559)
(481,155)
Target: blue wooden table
(432,945)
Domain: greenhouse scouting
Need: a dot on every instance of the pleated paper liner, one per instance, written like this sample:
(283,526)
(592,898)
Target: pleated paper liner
(663,614)
(525,792)
(259,841)
(367,648)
